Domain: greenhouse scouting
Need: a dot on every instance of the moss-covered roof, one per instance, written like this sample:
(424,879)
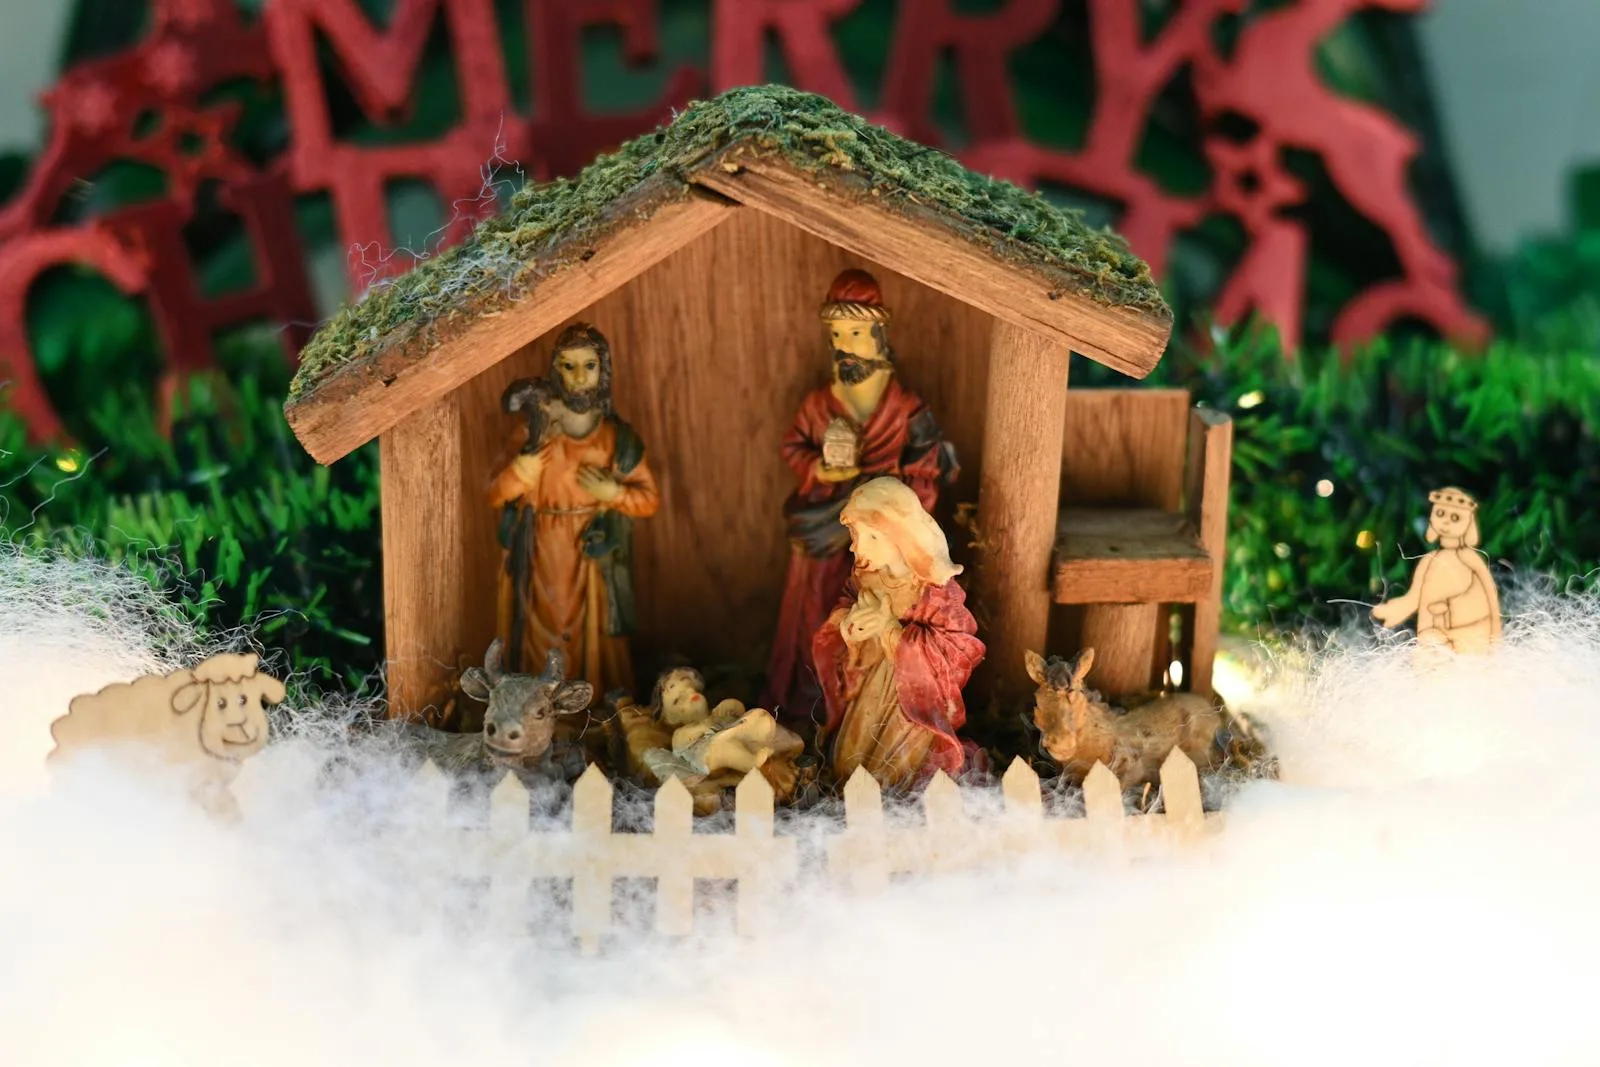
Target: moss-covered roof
(547,226)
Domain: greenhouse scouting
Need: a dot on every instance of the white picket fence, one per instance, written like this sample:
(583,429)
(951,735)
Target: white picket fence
(862,856)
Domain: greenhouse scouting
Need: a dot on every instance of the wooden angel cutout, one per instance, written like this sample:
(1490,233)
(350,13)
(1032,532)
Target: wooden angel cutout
(1452,593)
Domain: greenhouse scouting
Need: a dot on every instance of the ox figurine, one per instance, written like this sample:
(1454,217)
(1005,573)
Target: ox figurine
(519,726)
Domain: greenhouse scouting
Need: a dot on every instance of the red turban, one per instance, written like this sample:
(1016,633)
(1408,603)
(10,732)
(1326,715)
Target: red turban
(855,295)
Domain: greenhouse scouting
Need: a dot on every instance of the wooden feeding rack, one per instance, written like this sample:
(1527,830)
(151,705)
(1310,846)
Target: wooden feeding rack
(1141,536)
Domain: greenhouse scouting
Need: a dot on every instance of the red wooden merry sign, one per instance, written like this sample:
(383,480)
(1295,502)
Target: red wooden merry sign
(154,104)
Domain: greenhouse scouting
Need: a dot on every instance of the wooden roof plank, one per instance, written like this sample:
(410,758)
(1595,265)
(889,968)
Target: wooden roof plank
(364,399)
(1126,339)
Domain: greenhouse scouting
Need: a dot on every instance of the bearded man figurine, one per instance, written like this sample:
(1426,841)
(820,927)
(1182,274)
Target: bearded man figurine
(575,482)
(862,425)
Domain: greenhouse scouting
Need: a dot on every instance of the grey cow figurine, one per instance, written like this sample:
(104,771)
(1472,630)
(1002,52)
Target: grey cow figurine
(519,727)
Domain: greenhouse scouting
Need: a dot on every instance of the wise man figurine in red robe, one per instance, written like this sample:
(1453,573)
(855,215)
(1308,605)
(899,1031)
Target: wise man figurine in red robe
(895,653)
(863,424)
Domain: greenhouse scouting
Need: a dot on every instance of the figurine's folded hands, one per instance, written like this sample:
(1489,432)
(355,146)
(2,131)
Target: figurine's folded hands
(872,616)
(602,485)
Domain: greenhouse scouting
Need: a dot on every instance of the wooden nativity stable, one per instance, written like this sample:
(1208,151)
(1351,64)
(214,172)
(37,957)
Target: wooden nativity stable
(702,251)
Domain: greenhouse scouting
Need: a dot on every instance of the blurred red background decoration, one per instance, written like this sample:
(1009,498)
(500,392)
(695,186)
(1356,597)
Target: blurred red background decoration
(146,105)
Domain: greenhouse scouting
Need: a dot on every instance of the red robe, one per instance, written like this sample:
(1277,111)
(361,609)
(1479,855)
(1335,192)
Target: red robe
(902,439)
(937,650)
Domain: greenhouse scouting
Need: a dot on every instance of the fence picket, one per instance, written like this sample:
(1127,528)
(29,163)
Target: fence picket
(766,861)
(1023,793)
(1022,828)
(859,856)
(508,878)
(592,866)
(1102,795)
(947,840)
(672,853)
(1180,793)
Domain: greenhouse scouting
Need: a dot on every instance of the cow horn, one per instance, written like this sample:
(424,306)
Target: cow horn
(555,665)
(492,660)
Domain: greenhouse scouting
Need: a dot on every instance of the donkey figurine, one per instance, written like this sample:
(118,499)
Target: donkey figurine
(520,724)
(1080,728)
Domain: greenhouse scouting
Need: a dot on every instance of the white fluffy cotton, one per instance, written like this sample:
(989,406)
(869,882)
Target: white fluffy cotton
(1420,888)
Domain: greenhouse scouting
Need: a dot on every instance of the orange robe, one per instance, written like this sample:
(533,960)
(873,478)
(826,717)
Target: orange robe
(565,603)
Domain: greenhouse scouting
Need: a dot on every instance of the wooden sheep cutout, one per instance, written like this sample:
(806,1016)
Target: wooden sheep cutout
(1452,593)
(203,722)
(1080,729)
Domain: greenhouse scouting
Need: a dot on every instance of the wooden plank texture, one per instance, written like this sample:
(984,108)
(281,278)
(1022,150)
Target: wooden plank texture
(1027,404)
(1128,556)
(362,401)
(1209,481)
(423,520)
(1125,339)
(1124,638)
(1124,448)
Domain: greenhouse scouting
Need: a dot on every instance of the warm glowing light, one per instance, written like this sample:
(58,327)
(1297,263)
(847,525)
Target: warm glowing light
(1281,550)
(1252,398)
(1364,539)
(1232,682)
(67,463)
(1324,487)
(1175,672)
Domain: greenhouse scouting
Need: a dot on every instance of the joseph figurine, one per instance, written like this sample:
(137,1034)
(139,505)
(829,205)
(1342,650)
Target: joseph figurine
(574,482)
(862,425)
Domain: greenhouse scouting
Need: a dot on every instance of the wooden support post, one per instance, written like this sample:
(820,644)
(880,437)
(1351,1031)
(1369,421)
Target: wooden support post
(1123,637)
(1018,499)
(422,494)
(1206,500)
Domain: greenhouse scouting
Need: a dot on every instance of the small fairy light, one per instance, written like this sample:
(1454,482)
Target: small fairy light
(1364,539)
(1175,672)
(1281,550)
(67,463)
(1252,398)
(1324,487)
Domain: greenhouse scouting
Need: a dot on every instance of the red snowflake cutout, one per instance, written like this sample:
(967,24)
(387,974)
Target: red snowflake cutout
(1269,79)
(171,67)
(93,109)
(98,111)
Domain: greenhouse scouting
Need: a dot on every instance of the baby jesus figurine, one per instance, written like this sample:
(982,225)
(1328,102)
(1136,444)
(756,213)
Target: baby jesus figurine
(714,748)
(894,655)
